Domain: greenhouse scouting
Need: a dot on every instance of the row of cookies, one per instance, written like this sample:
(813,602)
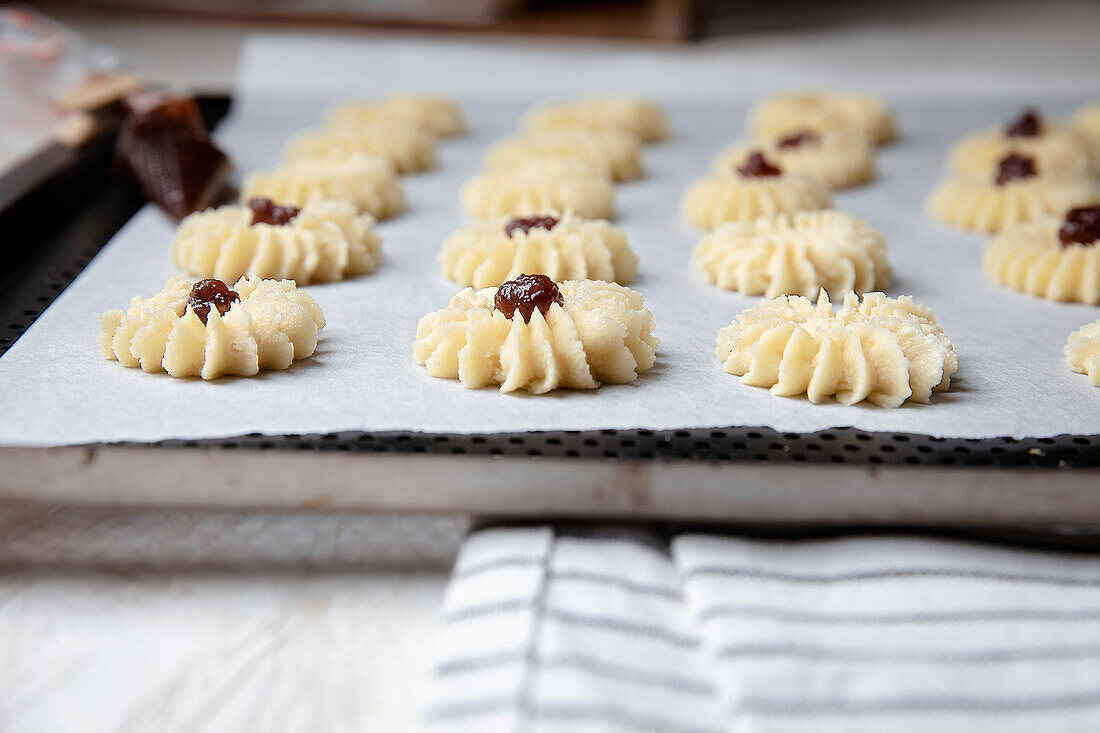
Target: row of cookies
(311,219)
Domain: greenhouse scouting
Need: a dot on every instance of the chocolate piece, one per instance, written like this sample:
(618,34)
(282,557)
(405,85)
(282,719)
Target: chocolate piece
(1014,166)
(209,292)
(1029,124)
(164,149)
(757,166)
(1082,226)
(798,138)
(527,223)
(266,211)
(526,293)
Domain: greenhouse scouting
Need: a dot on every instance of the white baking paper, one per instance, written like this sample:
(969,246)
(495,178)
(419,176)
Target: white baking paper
(1012,380)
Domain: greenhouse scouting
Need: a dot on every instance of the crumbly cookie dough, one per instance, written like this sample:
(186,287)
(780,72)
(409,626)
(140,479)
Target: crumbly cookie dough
(879,349)
(441,116)
(541,185)
(839,158)
(795,254)
(1086,121)
(785,114)
(324,241)
(1055,148)
(490,252)
(263,324)
(593,332)
(618,152)
(641,118)
(367,181)
(1083,352)
(408,148)
(1033,258)
(725,196)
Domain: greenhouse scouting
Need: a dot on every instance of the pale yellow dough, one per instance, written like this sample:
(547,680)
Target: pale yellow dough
(482,255)
(1083,352)
(1087,123)
(839,158)
(727,196)
(641,118)
(326,241)
(408,148)
(368,182)
(786,113)
(441,116)
(978,203)
(541,185)
(273,324)
(1030,257)
(604,333)
(795,254)
(1058,150)
(617,152)
(879,349)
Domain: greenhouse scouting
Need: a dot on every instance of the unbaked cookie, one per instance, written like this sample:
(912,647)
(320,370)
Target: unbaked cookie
(786,114)
(561,246)
(643,119)
(879,349)
(535,335)
(840,158)
(541,185)
(795,254)
(1056,149)
(1083,352)
(1056,258)
(408,148)
(1015,192)
(207,330)
(320,242)
(368,182)
(617,152)
(439,115)
(756,189)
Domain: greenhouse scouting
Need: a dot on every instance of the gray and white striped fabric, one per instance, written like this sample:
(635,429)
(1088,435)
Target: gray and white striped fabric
(618,629)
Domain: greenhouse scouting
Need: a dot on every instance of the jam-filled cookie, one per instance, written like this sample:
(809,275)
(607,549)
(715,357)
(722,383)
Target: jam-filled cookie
(1056,149)
(1083,352)
(541,185)
(641,118)
(561,246)
(1086,121)
(537,335)
(617,152)
(441,116)
(879,349)
(786,114)
(1053,257)
(795,254)
(1014,192)
(208,330)
(368,182)
(839,158)
(408,148)
(320,242)
(755,189)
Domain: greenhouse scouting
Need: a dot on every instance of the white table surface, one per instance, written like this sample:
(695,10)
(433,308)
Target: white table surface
(301,622)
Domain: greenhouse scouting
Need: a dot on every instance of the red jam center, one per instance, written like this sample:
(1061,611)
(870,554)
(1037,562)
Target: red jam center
(1082,226)
(526,293)
(210,292)
(757,166)
(1013,167)
(266,211)
(527,223)
(1029,124)
(798,138)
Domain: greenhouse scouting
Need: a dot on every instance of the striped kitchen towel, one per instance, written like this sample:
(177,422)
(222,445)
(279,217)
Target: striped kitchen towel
(547,628)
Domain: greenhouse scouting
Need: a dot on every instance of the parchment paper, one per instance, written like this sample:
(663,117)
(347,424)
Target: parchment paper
(1012,380)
